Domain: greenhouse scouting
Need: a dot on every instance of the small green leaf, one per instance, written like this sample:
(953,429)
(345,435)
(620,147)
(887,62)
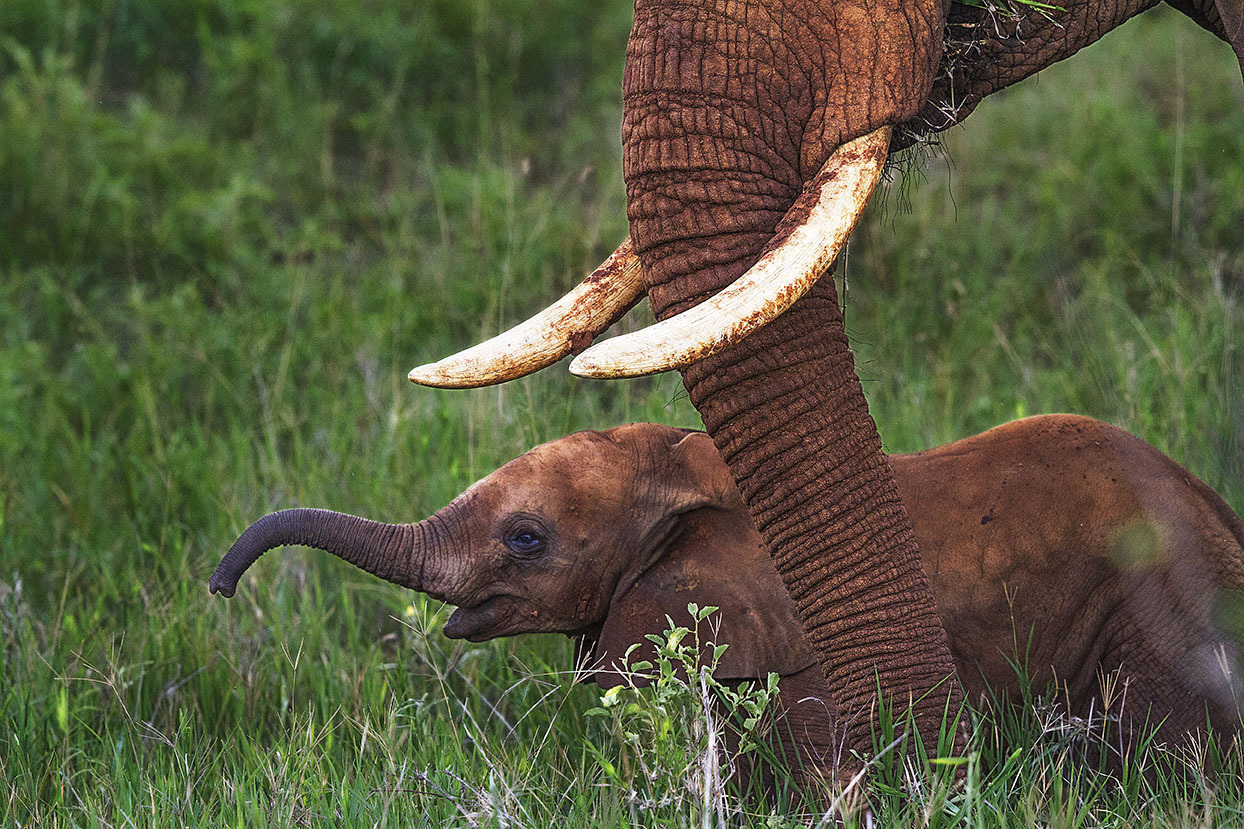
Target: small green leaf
(948,761)
(62,709)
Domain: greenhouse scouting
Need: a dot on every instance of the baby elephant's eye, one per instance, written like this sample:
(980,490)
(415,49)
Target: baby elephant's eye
(525,543)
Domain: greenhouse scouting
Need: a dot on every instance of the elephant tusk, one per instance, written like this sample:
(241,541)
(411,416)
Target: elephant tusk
(568,325)
(805,244)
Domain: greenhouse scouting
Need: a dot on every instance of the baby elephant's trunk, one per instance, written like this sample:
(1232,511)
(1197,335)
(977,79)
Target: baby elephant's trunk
(384,550)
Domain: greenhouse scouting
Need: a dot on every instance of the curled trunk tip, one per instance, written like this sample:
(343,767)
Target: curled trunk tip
(384,550)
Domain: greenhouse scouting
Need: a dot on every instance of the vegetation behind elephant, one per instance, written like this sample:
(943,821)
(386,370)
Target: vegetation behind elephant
(1057,543)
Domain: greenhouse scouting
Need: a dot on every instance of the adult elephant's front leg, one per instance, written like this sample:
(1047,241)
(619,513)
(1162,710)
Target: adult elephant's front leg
(717,147)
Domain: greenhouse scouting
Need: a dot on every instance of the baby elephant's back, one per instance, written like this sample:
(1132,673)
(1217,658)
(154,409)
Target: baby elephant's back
(1072,547)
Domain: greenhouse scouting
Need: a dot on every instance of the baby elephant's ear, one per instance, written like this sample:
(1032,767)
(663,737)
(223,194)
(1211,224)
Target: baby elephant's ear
(698,476)
(716,559)
(755,618)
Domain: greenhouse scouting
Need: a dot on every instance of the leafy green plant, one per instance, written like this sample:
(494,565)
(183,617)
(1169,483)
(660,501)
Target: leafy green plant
(672,719)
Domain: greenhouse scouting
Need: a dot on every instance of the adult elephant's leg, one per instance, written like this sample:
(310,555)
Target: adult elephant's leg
(717,145)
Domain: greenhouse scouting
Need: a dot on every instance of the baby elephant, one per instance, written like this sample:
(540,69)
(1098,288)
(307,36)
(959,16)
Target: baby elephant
(1057,543)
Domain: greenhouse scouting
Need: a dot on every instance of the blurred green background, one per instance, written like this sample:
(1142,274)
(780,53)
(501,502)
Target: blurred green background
(228,228)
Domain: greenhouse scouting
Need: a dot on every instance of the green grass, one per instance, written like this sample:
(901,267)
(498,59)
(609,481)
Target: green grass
(227,230)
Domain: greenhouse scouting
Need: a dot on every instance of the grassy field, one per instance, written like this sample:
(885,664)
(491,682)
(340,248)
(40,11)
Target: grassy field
(229,227)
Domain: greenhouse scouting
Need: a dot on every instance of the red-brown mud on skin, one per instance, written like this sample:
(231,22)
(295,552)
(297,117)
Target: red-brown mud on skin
(799,212)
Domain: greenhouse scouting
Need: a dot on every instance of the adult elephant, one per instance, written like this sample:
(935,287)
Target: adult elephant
(753,134)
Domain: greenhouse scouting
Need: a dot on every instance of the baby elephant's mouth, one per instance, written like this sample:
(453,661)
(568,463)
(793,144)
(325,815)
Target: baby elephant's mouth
(480,621)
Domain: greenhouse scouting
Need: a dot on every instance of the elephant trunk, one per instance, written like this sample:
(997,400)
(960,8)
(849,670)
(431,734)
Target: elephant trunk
(712,168)
(394,552)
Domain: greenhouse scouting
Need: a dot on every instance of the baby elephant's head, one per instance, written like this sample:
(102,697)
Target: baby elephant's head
(543,544)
